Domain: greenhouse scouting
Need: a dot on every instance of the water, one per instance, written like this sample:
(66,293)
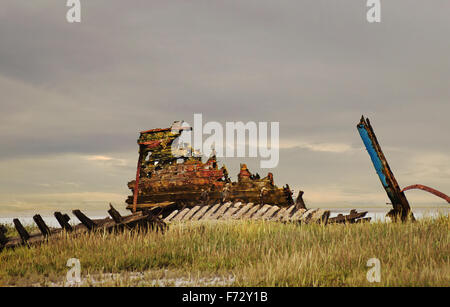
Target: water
(377,214)
(50,220)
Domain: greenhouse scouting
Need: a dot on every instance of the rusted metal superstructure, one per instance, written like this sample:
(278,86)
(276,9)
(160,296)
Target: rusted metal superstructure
(169,173)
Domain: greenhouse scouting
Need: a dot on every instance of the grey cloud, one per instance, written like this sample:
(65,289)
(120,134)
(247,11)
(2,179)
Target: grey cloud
(315,66)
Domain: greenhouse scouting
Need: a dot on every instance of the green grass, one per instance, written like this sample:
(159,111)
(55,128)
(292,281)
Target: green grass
(253,253)
(12,232)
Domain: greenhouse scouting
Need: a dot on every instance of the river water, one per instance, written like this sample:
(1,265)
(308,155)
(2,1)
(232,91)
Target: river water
(377,214)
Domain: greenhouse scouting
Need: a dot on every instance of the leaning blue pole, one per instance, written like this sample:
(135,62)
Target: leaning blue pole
(401,208)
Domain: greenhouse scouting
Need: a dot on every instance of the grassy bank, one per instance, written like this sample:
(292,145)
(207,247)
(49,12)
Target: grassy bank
(251,253)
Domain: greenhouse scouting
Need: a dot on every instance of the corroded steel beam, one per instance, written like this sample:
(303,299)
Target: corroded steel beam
(428,189)
(401,208)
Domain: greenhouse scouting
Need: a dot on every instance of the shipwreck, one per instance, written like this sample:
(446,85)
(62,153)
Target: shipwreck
(164,177)
(172,184)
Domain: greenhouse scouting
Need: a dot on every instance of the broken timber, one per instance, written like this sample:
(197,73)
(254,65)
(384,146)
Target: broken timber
(401,208)
(142,220)
(244,211)
(353,217)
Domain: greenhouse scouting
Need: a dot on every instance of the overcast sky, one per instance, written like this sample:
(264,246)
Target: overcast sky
(73,97)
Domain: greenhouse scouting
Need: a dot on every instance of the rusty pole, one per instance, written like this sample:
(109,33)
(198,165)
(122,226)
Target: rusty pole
(138,176)
(429,190)
(398,199)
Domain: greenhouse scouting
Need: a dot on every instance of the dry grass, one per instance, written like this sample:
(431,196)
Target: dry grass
(252,253)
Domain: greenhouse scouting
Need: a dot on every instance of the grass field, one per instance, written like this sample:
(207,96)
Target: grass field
(244,253)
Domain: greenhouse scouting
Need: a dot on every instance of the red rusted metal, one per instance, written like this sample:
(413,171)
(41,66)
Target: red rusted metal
(166,129)
(156,130)
(162,177)
(151,144)
(428,189)
(136,185)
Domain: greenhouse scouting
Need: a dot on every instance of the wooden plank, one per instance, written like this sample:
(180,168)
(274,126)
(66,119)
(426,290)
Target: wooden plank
(43,228)
(289,212)
(216,215)
(238,205)
(210,212)
(279,214)
(350,218)
(191,213)
(115,215)
(250,212)
(63,221)
(297,215)
(270,213)
(242,211)
(261,212)
(90,224)
(23,233)
(306,217)
(233,209)
(170,216)
(180,215)
(66,217)
(3,238)
(320,216)
(199,214)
